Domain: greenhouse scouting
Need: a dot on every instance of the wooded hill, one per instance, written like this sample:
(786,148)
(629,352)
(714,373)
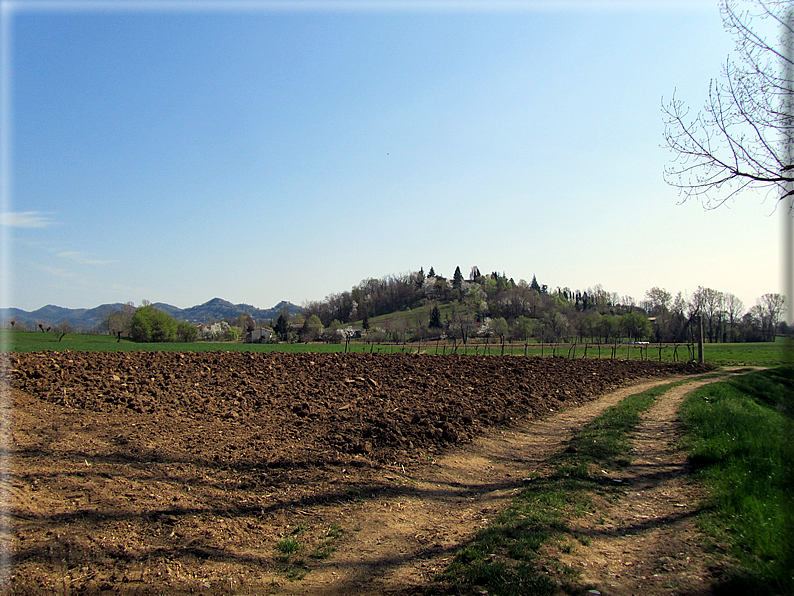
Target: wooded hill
(423,306)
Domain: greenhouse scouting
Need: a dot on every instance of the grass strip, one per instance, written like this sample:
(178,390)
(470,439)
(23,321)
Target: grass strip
(756,354)
(505,558)
(739,438)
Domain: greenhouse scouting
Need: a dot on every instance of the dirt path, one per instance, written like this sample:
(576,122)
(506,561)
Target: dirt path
(647,543)
(644,544)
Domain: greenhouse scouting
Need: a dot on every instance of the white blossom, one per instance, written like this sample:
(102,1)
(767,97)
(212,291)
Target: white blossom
(347,333)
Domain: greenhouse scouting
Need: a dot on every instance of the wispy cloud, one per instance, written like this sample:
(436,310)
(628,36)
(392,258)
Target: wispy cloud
(81,258)
(25,219)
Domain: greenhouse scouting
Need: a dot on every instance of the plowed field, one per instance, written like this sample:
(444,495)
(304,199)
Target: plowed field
(180,472)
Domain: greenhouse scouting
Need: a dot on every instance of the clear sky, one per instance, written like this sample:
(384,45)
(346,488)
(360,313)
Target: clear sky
(260,152)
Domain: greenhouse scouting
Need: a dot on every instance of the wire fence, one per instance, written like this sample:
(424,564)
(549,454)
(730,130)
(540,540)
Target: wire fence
(663,352)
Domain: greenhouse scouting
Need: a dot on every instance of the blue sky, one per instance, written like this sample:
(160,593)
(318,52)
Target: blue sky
(261,152)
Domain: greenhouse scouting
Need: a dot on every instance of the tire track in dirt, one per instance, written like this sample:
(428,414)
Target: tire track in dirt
(401,541)
(648,542)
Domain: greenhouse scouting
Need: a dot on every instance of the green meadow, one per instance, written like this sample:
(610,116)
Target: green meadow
(742,354)
(28,341)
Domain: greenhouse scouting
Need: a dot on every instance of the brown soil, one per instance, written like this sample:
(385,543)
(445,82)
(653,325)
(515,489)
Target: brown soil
(150,473)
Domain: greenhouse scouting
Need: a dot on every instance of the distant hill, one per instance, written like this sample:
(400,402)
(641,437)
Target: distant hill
(92,319)
(218,308)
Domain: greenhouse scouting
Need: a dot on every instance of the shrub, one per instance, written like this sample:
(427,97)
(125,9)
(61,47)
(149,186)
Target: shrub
(149,324)
(186,332)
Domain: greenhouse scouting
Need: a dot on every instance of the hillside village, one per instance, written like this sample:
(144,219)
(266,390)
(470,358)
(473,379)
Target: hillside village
(419,305)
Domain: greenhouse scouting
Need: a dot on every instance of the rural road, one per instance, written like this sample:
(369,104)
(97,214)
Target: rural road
(646,543)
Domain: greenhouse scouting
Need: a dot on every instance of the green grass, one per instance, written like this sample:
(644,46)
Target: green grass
(755,354)
(28,341)
(505,558)
(326,546)
(293,568)
(289,549)
(411,317)
(289,545)
(604,441)
(739,437)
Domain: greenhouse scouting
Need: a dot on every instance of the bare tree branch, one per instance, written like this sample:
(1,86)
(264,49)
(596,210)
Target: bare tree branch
(739,140)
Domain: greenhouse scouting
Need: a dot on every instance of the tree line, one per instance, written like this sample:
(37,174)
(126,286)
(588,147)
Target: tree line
(494,305)
(480,306)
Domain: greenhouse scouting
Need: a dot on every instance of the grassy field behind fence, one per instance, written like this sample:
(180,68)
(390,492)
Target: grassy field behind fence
(758,354)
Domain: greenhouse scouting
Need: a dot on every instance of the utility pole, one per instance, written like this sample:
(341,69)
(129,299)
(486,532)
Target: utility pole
(700,338)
